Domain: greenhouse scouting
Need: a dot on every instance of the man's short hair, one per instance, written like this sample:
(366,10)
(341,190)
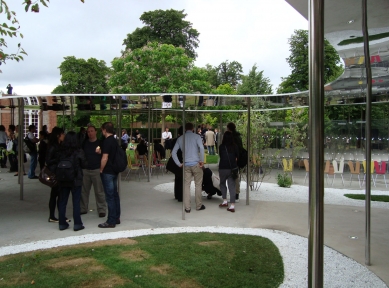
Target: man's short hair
(31,127)
(188,126)
(108,126)
(92,126)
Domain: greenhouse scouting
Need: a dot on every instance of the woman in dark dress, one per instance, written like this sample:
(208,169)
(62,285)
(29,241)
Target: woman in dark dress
(55,139)
(229,153)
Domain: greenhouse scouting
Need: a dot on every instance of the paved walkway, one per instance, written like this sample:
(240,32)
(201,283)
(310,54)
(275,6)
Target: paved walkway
(144,207)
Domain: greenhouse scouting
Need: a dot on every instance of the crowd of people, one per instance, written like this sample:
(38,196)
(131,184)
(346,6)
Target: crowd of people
(91,160)
(88,160)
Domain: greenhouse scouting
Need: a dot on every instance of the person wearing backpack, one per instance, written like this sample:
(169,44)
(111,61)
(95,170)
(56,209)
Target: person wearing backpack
(71,161)
(109,174)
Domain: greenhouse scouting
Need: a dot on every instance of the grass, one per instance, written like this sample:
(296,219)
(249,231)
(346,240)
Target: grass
(177,260)
(379,198)
(212,159)
(360,39)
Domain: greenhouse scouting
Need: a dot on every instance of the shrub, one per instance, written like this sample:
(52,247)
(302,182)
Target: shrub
(284,180)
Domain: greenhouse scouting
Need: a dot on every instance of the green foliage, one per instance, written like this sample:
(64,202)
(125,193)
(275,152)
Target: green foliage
(80,76)
(284,180)
(379,198)
(226,73)
(165,27)
(157,68)
(13,28)
(255,83)
(298,62)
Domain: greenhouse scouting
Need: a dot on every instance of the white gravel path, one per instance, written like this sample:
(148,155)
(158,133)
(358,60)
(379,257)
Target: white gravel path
(339,271)
(296,194)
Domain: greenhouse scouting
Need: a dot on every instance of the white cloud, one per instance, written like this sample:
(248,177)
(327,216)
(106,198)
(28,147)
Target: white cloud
(245,31)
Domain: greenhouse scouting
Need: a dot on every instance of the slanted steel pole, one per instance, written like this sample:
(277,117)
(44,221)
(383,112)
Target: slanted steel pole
(20,146)
(368,132)
(316,143)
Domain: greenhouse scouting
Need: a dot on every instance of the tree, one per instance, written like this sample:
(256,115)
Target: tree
(298,80)
(230,72)
(157,68)
(165,27)
(255,83)
(80,76)
(13,29)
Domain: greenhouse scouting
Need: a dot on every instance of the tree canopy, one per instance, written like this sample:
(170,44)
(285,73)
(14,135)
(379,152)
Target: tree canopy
(255,83)
(298,61)
(225,73)
(80,76)
(165,27)
(157,68)
(12,29)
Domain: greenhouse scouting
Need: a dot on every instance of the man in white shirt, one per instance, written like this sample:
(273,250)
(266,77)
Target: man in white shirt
(166,139)
(33,153)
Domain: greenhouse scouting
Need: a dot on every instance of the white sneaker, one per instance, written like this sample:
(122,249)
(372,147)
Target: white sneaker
(236,200)
(205,194)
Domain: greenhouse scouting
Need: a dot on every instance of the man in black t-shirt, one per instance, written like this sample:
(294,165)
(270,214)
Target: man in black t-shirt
(109,177)
(91,147)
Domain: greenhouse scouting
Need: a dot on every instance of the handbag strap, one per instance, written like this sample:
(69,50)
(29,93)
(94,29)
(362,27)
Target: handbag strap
(228,156)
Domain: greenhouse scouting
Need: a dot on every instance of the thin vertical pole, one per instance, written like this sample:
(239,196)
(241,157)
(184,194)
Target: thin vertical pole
(183,159)
(119,133)
(148,137)
(71,113)
(248,150)
(20,146)
(368,132)
(316,141)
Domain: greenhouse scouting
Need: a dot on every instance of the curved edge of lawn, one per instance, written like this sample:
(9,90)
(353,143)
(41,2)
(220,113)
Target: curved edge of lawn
(377,198)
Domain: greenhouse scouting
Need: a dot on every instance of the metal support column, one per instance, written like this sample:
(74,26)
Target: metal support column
(248,144)
(148,138)
(183,159)
(316,143)
(71,113)
(368,132)
(119,133)
(20,146)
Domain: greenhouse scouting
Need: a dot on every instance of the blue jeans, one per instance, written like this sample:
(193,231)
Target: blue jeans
(111,197)
(33,163)
(211,150)
(63,201)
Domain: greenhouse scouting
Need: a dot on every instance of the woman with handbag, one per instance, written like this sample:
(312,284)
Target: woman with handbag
(55,139)
(228,169)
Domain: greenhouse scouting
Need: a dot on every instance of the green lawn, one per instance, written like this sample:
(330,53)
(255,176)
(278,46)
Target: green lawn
(176,260)
(379,198)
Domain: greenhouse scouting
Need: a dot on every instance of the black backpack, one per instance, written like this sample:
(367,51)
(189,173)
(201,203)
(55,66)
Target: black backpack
(119,160)
(242,160)
(65,172)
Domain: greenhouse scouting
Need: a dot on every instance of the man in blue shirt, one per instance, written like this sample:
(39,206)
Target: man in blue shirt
(194,155)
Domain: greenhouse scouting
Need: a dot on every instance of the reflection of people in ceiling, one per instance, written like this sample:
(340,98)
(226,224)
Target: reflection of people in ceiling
(167,101)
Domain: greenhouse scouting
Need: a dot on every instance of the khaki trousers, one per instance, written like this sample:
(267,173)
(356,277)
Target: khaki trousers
(92,177)
(197,174)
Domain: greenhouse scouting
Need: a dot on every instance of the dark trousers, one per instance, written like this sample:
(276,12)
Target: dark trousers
(13,162)
(178,186)
(53,202)
(63,201)
(111,197)
(4,155)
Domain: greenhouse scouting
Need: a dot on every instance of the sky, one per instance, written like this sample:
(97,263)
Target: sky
(248,31)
